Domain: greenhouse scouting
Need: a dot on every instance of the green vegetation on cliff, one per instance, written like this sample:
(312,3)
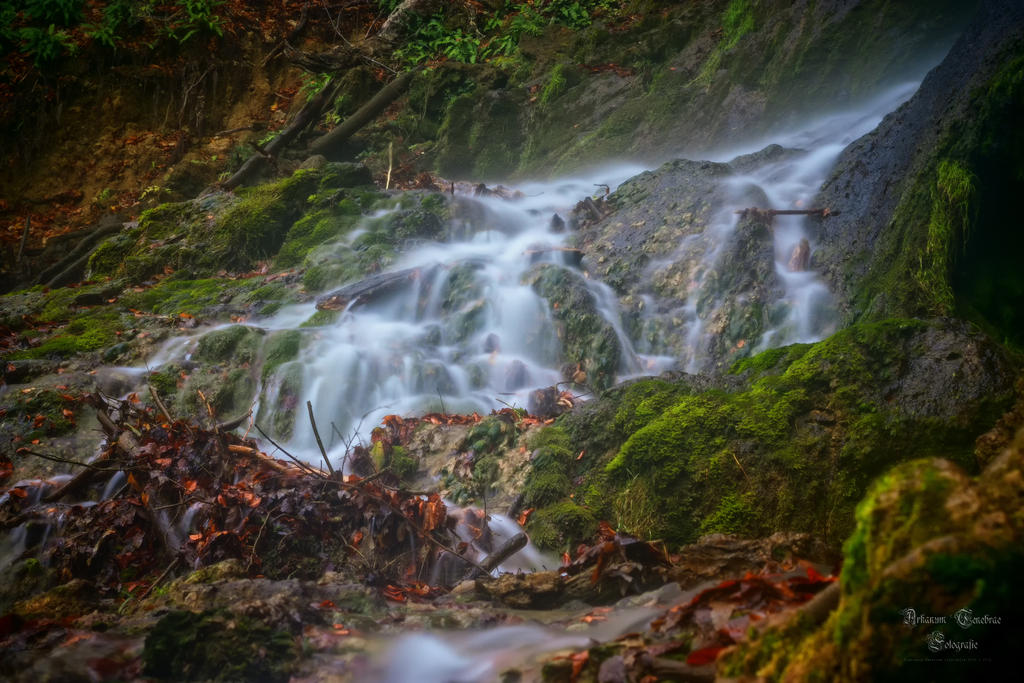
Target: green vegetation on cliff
(792,444)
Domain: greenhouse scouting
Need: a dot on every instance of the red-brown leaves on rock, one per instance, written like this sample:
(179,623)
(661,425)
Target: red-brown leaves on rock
(723,614)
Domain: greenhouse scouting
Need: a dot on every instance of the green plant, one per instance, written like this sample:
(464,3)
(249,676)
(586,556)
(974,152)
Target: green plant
(948,228)
(432,38)
(199,18)
(116,15)
(63,12)
(46,46)
(103,197)
(313,84)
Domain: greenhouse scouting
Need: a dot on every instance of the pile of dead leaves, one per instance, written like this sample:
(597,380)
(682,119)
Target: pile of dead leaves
(178,496)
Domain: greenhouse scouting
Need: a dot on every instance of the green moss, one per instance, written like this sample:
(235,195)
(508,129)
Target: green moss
(236,343)
(271,296)
(313,230)
(281,392)
(545,488)
(587,338)
(109,257)
(792,445)
(257,225)
(217,646)
(165,381)
(228,391)
(321,319)
(403,465)
(922,490)
(561,525)
(38,413)
(948,231)
(91,331)
(555,85)
(194,297)
(281,347)
(737,21)
(773,359)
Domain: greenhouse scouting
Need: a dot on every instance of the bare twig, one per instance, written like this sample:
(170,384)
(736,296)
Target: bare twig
(738,464)
(160,404)
(145,593)
(303,466)
(235,423)
(319,442)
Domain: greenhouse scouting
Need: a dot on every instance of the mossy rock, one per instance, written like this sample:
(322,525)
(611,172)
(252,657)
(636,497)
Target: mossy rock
(793,445)
(587,338)
(927,577)
(235,343)
(204,297)
(559,526)
(280,347)
(217,646)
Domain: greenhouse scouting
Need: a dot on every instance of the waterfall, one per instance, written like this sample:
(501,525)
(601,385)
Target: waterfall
(467,333)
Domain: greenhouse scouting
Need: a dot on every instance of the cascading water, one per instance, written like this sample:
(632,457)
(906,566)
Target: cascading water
(465,334)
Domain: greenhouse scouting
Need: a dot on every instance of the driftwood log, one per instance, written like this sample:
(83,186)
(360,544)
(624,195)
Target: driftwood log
(573,256)
(770,213)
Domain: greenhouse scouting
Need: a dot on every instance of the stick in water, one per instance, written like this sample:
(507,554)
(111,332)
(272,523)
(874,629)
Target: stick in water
(319,442)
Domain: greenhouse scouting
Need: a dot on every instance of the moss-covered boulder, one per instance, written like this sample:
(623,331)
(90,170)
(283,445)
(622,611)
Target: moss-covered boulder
(792,440)
(588,339)
(396,224)
(929,585)
(217,646)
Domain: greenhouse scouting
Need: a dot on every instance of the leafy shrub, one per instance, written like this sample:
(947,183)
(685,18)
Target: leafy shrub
(45,46)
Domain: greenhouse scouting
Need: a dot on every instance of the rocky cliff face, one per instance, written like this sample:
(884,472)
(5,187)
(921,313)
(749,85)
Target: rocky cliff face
(925,196)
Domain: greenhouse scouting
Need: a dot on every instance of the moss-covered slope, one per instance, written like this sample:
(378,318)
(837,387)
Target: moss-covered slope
(791,443)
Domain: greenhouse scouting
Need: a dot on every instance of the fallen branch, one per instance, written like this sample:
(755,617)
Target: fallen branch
(159,579)
(366,289)
(160,404)
(507,550)
(235,423)
(366,113)
(309,114)
(303,466)
(72,267)
(24,239)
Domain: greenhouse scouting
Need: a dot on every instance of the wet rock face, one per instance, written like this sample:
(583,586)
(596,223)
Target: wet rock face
(955,366)
(884,182)
(587,336)
(658,248)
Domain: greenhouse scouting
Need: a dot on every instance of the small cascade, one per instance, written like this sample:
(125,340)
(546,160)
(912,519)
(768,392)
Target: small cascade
(790,300)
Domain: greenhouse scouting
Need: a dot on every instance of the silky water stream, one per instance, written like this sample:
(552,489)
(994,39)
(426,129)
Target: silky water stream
(412,351)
